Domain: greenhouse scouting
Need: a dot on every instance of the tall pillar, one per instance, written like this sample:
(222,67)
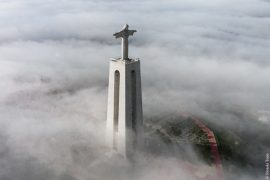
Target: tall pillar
(124,111)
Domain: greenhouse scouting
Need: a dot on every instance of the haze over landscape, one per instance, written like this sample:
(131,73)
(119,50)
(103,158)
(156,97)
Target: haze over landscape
(208,58)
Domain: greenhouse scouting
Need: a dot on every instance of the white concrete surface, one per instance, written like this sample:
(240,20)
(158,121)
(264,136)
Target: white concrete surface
(124,111)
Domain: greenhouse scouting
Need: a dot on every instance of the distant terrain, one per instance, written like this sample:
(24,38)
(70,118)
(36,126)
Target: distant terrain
(240,148)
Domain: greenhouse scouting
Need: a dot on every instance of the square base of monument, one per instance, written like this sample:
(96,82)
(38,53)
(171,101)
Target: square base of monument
(124,116)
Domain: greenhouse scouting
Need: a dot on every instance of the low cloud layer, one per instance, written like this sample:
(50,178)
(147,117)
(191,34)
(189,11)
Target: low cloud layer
(207,58)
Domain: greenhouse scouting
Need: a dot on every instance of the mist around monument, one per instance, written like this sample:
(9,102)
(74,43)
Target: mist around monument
(204,58)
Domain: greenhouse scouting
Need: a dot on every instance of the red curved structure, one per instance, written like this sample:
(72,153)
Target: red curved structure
(213,145)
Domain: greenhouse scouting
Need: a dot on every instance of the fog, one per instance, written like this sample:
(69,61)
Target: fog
(208,58)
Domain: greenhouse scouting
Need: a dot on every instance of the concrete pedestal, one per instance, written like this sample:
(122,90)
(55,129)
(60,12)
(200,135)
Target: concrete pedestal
(124,112)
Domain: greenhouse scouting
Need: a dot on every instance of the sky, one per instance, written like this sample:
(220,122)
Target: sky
(209,58)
